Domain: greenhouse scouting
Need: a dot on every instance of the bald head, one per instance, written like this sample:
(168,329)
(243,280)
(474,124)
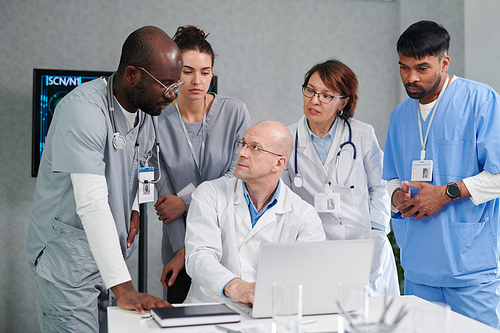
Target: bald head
(261,168)
(277,135)
(143,46)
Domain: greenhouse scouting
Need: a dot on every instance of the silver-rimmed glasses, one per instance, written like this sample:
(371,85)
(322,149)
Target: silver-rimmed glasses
(173,87)
(253,147)
(323,98)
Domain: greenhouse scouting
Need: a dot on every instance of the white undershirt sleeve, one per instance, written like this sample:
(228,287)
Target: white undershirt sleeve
(391,186)
(91,197)
(135,205)
(483,187)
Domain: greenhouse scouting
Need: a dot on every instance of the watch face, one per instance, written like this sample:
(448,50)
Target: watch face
(453,190)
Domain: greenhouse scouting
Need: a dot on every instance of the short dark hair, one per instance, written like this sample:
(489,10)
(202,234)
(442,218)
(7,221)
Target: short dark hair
(339,77)
(189,38)
(139,48)
(422,39)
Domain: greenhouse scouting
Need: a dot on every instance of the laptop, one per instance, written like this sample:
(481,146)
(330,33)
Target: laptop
(318,266)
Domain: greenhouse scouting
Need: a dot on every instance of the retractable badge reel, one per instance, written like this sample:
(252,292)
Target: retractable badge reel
(146,186)
(327,202)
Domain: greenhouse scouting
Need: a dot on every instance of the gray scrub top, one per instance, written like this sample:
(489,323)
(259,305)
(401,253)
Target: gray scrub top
(80,141)
(227,121)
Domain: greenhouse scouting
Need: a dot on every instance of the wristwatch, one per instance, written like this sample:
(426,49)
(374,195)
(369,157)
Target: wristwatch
(453,191)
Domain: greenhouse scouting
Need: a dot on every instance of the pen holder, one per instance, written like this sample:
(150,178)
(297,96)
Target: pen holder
(353,304)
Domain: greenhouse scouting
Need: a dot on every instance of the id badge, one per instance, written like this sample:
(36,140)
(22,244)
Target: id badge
(421,171)
(327,202)
(146,189)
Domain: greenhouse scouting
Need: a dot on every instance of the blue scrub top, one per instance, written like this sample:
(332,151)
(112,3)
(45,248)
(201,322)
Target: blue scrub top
(458,246)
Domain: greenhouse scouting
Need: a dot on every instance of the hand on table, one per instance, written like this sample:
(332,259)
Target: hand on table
(129,299)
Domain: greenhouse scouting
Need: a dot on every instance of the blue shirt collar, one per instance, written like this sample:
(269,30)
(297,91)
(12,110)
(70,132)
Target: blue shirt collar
(254,214)
(322,145)
(329,135)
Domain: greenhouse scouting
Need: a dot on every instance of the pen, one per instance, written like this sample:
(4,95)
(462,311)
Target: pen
(396,215)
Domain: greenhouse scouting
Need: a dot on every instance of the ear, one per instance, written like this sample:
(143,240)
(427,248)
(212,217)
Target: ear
(446,61)
(344,102)
(280,163)
(132,75)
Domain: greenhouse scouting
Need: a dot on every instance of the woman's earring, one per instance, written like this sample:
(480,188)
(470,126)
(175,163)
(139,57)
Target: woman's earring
(340,112)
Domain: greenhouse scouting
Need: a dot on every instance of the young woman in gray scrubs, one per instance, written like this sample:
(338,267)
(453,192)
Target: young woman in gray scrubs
(198,134)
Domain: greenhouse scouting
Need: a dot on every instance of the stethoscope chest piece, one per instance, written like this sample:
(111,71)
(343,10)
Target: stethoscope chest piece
(119,141)
(297,181)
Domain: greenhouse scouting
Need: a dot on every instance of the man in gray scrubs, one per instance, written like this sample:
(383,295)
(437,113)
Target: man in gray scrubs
(83,225)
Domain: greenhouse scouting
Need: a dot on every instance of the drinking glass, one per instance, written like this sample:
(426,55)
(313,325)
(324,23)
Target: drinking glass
(287,307)
(431,318)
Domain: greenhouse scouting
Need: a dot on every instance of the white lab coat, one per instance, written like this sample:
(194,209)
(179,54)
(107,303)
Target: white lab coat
(221,243)
(363,200)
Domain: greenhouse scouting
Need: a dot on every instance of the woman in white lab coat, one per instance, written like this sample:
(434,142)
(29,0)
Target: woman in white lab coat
(346,188)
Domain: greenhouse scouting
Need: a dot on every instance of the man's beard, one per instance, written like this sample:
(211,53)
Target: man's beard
(139,97)
(422,93)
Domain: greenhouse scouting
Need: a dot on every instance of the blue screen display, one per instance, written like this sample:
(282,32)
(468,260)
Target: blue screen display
(49,87)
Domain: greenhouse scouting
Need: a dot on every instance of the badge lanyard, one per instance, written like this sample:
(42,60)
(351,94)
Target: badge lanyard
(298,182)
(198,162)
(422,169)
(326,201)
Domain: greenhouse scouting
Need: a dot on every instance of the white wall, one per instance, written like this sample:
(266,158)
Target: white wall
(482,41)
(264,49)
(448,13)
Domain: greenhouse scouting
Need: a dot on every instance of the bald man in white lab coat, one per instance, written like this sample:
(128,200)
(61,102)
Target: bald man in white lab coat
(230,218)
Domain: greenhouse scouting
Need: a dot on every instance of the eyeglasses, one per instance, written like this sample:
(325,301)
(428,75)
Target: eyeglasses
(323,98)
(173,87)
(253,147)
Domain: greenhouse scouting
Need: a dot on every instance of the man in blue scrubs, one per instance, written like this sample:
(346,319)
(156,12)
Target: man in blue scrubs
(442,161)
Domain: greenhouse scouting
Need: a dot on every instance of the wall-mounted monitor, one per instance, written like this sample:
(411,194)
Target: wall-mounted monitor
(49,87)
(213,85)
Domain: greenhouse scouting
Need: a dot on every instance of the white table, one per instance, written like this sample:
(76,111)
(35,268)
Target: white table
(123,321)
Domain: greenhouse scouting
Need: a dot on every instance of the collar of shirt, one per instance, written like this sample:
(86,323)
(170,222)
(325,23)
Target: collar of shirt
(323,145)
(254,214)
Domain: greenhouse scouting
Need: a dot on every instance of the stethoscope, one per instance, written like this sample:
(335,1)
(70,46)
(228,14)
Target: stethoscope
(119,141)
(298,181)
